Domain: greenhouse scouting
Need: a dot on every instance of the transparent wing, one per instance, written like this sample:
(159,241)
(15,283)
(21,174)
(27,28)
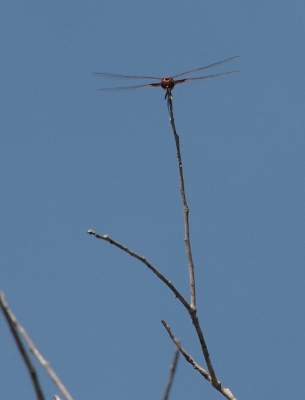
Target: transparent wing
(207,66)
(117,76)
(126,88)
(203,78)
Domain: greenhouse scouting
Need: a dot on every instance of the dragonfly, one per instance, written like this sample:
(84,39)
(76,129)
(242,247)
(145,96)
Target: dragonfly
(167,83)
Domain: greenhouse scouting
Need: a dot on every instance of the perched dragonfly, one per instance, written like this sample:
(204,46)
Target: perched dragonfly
(167,83)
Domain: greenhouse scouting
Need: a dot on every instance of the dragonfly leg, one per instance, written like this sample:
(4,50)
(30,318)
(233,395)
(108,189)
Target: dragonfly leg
(168,93)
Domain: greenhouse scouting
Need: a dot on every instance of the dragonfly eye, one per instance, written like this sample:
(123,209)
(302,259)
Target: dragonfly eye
(167,83)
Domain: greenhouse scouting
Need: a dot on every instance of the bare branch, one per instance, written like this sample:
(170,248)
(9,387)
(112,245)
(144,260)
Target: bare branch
(185,206)
(193,311)
(204,349)
(191,308)
(144,261)
(188,358)
(168,283)
(14,324)
(173,369)
(224,391)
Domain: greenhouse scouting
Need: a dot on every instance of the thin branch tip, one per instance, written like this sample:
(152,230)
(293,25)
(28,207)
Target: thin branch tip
(144,261)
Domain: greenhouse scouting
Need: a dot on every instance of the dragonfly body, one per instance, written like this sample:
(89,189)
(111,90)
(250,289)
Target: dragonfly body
(167,83)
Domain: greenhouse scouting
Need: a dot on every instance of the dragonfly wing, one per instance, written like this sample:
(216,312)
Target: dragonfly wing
(126,88)
(116,76)
(204,78)
(207,66)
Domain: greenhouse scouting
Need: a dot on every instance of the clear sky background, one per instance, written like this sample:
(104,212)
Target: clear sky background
(73,159)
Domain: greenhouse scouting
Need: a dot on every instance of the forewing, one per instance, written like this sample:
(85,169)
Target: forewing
(207,66)
(117,76)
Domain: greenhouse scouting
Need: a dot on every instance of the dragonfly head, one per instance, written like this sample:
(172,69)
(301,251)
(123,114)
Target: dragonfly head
(168,83)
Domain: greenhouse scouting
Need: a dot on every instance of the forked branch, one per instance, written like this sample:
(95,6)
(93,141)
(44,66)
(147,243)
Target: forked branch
(191,308)
(192,313)
(224,391)
(188,358)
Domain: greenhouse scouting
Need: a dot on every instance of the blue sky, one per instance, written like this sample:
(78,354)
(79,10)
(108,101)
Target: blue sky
(73,159)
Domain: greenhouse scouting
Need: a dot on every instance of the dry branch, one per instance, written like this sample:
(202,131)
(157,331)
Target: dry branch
(144,261)
(185,206)
(14,324)
(191,308)
(188,358)
(224,391)
(193,313)
(172,373)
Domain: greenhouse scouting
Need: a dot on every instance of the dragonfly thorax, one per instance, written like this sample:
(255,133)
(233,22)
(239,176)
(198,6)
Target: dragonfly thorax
(167,83)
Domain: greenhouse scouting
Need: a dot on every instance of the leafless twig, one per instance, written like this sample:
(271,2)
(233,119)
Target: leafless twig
(192,312)
(185,206)
(191,308)
(148,264)
(14,324)
(188,358)
(226,392)
(173,369)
